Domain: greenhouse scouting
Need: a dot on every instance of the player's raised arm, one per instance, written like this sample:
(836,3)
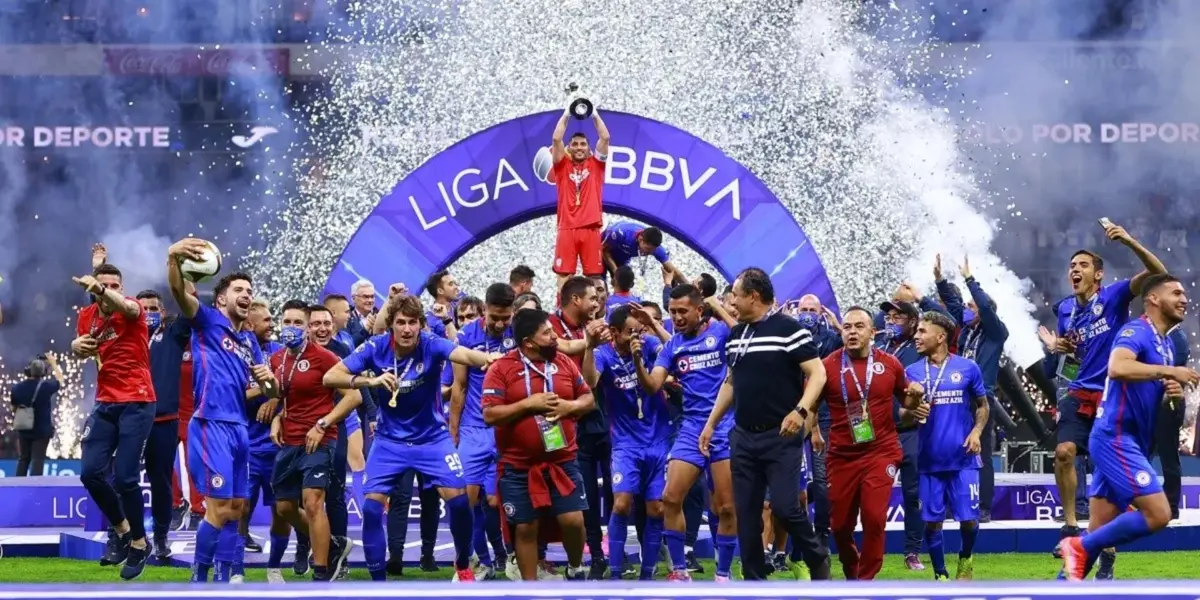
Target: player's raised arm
(603,136)
(187,248)
(558,150)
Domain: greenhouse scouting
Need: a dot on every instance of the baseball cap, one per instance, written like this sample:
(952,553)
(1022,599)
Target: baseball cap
(906,308)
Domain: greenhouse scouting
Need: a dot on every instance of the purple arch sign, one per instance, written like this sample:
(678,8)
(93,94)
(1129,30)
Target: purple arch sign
(657,174)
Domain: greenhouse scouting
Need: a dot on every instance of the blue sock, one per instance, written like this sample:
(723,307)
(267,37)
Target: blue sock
(937,551)
(674,541)
(969,531)
(650,546)
(494,533)
(460,529)
(357,481)
(1120,531)
(207,537)
(725,547)
(479,537)
(618,534)
(374,539)
(279,544)
(714,521)
(238,566)
(226,549)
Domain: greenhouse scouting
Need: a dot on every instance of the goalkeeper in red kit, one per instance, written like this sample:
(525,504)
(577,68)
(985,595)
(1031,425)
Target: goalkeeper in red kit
(861,386)
(578,173)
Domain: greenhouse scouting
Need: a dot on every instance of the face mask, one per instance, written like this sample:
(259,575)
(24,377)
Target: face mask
(548,353)
(809,321)
(291,336)
(968,316)
(153,320)
(894,331)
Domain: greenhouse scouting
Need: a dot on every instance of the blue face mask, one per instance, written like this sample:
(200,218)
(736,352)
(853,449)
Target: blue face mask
(291,336)
(809,321)
(153,320)
(968,316)
(894,331)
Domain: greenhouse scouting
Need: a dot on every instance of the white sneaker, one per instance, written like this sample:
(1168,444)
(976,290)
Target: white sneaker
(511,570)
(544,575)
(274,576)
(237,579)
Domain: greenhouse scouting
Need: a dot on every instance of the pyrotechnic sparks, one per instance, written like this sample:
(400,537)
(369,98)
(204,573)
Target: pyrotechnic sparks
(68,415)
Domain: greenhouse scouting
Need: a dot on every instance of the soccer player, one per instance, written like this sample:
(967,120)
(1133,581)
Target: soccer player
(1141,379)
(474,438)
(412,432)
(443,288)
(170,338)
(521,279)
(623,282)
(1078,352)
(228,360)
(864,449)
(695,357)
(113,330)
(535,438)
(304,429)
(579,175)
(623,241)
(262,450)
(951,421)
(641,433)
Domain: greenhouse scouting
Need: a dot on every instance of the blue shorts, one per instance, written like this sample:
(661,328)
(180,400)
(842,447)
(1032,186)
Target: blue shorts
(960,488)
(1120,472)
(518,508)
(1073,427)
(477,449)
(640,470)
(296,470)
(437,461)
(687,445)
(352,423)
(219,458)
(262,468)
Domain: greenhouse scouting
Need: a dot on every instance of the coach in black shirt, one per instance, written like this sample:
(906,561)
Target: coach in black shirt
(775,379)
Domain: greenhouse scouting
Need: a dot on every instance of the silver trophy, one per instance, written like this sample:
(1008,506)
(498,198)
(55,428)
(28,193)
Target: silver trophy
(580,107)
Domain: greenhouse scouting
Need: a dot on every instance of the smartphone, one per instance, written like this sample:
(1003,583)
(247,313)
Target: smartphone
(1105,223)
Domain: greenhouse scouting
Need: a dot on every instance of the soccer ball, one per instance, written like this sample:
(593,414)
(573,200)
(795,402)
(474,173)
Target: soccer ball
(204,269)
(542,162)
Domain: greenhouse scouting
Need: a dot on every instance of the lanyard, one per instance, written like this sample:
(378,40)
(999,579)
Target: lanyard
(566,328)
(1072,326)
(932,387)
(285,385)
(628,367)
(743,344)
(400,374)
(546,383)
(1168,348)
(862,392)
(974,338)
(899,348)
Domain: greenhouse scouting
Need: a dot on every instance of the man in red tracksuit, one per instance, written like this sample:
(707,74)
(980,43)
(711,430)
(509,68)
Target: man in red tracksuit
(861,386)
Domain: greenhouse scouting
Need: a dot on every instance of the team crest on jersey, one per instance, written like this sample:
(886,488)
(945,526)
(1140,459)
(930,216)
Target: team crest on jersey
(217,482)
(956,377)
(877,368)
(1127,333)
(1142,478)
(617,477)
(509,509)
(551,369)
(86,431)
(420,368)
(710,342)
(187,356)
(302,366)
(509,343)
(683,365)
(227,344)
(891,471)
(1097,309)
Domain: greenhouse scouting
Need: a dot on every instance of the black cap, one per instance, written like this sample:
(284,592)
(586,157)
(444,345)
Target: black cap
(906,308)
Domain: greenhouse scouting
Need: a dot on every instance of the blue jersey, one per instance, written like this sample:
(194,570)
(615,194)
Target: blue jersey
(636,418)
(1130,408)
(618,299)
(221,361)
(260,434)
(620,239)
(417,415)
(1092,325)
(476,337)
(950,390)
(698,363)
(435,324)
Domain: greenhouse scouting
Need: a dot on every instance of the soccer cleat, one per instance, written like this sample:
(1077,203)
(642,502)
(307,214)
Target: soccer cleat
(395,566)
(693,563)
(966,569)
(546,571)
(579,573)
(1107,566)
(779,562)
(941,577)
(162,549)
(913,562)
(800,570)
(252,546)
(598,571)
(237,579)
(429,565)
(116,550)
(722,578)
(1074,558)
(463,575)
(339,552)
(193,521)
(275,576)
(511,570)
(1067,531)
(679,576)
(632,568)
(985,516)
(135,562)
(485,573)
(302,563)
(179,515)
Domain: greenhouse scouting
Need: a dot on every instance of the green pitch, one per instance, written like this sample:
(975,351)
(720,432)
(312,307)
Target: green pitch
(1131,565)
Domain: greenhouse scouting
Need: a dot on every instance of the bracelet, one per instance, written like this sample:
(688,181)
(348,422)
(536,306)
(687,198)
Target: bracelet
(352,379)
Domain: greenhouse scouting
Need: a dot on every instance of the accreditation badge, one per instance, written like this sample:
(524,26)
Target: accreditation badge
(553,437)
(862,430)
(1068,367)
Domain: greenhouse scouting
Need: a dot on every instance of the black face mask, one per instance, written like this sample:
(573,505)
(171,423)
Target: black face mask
(548,353)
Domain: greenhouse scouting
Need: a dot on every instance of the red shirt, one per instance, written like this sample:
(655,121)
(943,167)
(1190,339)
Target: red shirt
(585,179)
(565,330)
(519,442)
(305,398)
(187,390)
(124,357)
(888,382)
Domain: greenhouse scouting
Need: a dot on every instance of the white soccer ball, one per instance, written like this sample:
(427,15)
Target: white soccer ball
(204,269)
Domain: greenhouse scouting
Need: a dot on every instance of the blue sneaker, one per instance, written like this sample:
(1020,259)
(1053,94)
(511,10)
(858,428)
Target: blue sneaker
(302,563)
(135,562)
(116,550)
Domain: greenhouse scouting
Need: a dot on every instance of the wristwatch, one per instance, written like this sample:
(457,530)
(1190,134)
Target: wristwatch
(322,424)
(800,410)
